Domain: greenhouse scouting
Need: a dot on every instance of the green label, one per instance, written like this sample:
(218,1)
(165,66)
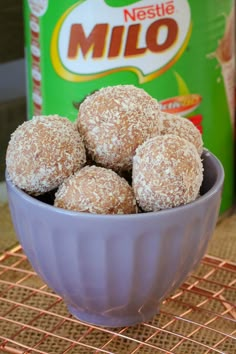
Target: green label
(180,57)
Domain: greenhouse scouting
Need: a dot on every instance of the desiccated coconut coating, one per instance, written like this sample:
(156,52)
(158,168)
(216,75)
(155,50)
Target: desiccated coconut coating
(114,121)
(96,190)
(42,152)
(183,127)
(167,172)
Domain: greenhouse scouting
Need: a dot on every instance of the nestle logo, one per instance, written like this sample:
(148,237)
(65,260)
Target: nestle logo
(149,12)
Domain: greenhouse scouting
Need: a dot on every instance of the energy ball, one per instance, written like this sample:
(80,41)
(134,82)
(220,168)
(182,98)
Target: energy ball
(114,121)
(96,190)
(43,152)
(167,172)
(183,127)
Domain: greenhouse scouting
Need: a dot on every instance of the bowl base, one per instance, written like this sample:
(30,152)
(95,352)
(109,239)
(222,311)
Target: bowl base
(112,321)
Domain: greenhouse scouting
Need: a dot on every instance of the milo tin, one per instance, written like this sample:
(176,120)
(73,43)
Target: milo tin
(180,51)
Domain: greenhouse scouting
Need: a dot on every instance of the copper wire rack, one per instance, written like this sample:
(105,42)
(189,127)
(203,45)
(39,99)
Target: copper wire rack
(200,317)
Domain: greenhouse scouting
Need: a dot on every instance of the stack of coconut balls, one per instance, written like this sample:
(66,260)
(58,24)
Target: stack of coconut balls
(120,131)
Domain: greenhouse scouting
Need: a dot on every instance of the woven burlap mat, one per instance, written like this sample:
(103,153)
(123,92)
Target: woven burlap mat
(7,234)
(223,242)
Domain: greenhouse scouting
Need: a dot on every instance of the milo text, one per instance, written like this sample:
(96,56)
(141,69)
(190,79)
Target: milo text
(119,38)
(122,40)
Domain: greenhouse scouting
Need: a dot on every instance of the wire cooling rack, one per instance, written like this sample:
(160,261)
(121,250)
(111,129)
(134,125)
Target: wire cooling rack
(200,317)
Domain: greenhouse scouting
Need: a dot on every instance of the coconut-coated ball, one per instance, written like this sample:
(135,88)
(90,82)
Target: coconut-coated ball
(114,121)
(183,127)
(96,190)
(43,152)
(167,172)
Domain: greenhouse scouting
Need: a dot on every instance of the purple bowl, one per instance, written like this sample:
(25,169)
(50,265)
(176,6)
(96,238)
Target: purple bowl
(115,270)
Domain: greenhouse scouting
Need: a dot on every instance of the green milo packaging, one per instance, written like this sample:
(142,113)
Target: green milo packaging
(180,51)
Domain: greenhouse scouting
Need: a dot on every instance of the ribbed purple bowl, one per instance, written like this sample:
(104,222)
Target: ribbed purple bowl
(115,270)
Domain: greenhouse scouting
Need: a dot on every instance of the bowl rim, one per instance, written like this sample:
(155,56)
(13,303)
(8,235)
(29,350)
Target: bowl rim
(51,208)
